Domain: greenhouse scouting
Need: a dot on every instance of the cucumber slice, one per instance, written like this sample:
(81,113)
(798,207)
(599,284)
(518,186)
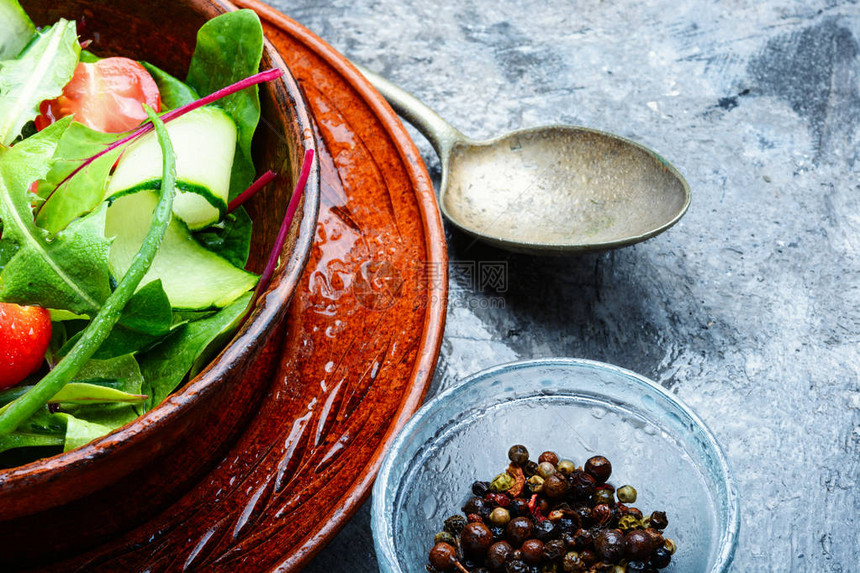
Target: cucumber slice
(194,278)
(205,142)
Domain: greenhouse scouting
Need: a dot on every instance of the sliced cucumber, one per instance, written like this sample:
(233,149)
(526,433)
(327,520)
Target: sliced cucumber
(205,142)
(193,278)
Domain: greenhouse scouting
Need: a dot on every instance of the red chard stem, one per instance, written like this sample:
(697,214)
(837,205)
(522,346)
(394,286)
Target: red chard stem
(256,186)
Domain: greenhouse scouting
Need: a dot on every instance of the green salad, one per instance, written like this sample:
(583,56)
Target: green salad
(122,250)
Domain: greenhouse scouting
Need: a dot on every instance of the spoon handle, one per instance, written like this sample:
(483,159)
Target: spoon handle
(441,134)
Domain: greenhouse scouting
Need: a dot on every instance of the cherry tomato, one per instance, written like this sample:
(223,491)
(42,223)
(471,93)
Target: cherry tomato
(105,95)
(25,332)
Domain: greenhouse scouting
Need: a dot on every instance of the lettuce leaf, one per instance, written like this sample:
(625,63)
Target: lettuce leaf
(39,73)
(17,29)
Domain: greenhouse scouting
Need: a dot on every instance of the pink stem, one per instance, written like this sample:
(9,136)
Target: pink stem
(264,180)
(259,78)
(269,270)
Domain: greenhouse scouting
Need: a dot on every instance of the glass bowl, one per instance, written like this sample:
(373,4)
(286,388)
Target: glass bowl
(577,408)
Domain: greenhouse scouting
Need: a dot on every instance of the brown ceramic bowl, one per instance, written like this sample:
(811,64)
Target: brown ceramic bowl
(75,500)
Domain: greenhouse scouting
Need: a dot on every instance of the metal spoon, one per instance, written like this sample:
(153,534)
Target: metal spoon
(548,190)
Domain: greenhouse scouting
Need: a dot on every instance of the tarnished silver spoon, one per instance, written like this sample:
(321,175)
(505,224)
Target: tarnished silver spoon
(557,189)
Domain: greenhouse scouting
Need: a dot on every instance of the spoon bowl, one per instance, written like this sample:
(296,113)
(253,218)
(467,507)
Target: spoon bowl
(548,190)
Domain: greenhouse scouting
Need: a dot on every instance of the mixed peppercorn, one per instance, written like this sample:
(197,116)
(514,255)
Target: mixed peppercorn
(551,516)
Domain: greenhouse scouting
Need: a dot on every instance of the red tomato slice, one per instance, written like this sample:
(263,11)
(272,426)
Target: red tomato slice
(105,95)
(25,332)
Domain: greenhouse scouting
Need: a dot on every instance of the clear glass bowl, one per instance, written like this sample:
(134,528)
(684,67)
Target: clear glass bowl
(577,408)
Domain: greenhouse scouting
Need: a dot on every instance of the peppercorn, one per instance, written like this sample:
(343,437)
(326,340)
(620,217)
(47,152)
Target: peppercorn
(566,467)
(443,556)
(555,486)
(498,499)
(476,539)
(553,549)
(518,530)
(444,537)
(532,551)
(474,518)
(519,507)
(669,545)
(502,482)
(500,516)
(659,520)
(497,554)
(626,494)
(601,514)
(474,505)
(498,532)
(535,484)
(656,537)
(572,563)
(545,469)
(637,545)
(636,567)
(609,544)
(550,457)
(628,522)
(455,524)
(603,496)
(599,468)
(582,485)
(516,566)
(544,530)
(542,505)
(518,454)
(481,488)
(588,557)
(567,524)
(661,558)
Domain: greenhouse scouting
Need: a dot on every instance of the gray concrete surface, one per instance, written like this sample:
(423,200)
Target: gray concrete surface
(749,309)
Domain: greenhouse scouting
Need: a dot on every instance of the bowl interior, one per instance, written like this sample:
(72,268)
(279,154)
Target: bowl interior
(577,409)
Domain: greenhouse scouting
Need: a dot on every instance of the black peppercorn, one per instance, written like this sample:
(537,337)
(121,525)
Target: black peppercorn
(550,457)
(518,530)
(481,488)
(601,514)
(532,551)
(582,485)
(476,538)
(609,544)
(637,545)
(516,566)
(475,505)
(554,549)
(636,567)
(544,530)
(531,468)
(582,538)
(455,524)
(555,486)
(661,558)
(518,454)
(497,554)
(498,532)
(599,468)
(659,520)
(519,507)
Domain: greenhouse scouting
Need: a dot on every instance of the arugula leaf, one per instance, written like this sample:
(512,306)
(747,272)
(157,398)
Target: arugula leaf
(173,92)
(229,48)
(70,272)
(230,238)
(83,192)
(40,73)
(165,366)
(17,29)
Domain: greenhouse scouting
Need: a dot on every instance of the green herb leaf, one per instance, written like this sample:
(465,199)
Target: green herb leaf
(69,272)
(22,440)
(80,432)
(17,29)
(40,73)
(83,192)
(229,49)
(173,92)
(165,366)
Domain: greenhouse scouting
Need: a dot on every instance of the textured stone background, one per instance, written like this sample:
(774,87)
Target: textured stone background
(749,309)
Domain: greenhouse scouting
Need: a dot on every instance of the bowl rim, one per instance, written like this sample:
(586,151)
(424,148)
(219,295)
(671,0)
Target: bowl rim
(269,310)
(383,544)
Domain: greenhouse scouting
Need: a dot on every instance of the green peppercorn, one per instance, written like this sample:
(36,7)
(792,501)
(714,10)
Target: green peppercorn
(566,467)
(518,454)
(444,537)
(603,496)
(545,469)
(669,545)
(626,494)
(500,516)
(535,484)
(502,483)
(628,522)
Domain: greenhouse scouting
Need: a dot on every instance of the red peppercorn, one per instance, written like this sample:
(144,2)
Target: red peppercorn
(532,551)
(497,554)
(599,468)
(518,530)
(637,545)
(476,539)
(499,499)
(550,457)
(474,518)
